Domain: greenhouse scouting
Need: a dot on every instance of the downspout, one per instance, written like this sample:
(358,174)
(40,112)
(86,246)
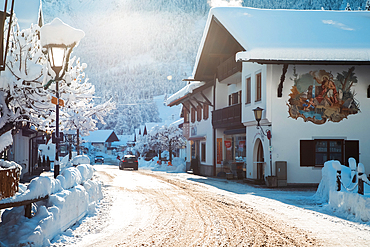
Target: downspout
(214,130)
(30,154)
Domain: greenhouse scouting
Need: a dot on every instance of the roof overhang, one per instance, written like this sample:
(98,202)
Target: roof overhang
(197,138)
(188,96)
(305,56)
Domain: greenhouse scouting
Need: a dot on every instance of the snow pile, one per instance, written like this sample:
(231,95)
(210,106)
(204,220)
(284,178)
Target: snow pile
(71,196)
(80,159)
(178,165)
(347,201)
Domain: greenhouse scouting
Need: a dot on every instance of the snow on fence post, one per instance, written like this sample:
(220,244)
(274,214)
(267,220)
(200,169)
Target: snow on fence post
(360,172)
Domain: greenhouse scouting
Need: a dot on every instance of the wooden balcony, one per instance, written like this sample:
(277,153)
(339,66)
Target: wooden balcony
(228,68)
(228,117)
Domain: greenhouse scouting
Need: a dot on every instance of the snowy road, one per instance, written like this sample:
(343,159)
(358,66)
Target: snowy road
(145,208)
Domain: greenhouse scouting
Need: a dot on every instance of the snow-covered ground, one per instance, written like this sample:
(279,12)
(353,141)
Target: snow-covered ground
(328,214)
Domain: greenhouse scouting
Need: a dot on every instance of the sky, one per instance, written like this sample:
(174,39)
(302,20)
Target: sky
(25,10)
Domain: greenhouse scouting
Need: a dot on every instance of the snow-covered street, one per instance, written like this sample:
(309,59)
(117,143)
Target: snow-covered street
(152,208)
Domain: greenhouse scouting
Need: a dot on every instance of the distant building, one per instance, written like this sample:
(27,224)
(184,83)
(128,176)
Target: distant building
(101,140)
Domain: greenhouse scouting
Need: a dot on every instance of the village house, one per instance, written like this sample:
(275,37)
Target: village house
(101,140)
(307,71)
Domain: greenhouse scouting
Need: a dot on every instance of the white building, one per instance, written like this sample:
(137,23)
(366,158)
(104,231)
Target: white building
(308,70)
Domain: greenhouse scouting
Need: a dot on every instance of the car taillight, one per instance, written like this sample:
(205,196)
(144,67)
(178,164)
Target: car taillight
(135,161)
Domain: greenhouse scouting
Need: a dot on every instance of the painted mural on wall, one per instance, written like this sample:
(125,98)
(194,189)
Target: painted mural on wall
(318,96)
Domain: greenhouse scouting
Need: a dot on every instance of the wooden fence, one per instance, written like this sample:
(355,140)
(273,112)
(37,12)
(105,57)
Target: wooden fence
(9,182)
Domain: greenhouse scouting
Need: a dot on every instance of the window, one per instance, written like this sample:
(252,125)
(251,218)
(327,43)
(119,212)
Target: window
(205,111)
(328,150)
(193,115)
(235,98)
(317,152)
(248,91)
(199,113)
(203,147)
(258,87)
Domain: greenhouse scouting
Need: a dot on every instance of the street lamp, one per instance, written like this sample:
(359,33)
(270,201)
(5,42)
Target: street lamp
(258,115)
(58,39)
(3,16)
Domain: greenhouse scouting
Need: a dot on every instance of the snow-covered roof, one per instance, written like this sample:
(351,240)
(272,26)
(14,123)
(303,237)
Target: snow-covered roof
(98,136)
(178,122)
(123,139)
(294,35)
(149,126)
(188,89)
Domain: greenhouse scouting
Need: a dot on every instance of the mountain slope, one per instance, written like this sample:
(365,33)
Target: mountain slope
(137,49)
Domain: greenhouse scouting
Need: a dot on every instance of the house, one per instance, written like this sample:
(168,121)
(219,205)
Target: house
(24,149)
(101,140)
(125,141)
(308,70)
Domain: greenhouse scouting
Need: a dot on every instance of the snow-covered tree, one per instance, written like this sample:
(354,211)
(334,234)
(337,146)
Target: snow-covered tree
(22,95)
(166,138)
(141,144)
(80,111)
(348,7)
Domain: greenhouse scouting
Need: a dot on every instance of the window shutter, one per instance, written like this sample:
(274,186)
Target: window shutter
(307,152)
(351,150)
(193,115)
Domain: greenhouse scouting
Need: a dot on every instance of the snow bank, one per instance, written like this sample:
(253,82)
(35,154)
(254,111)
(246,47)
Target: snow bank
(80,159)
(71,196)
(347,201)
(178,165)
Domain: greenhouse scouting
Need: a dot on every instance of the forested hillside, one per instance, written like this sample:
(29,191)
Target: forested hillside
(137,49)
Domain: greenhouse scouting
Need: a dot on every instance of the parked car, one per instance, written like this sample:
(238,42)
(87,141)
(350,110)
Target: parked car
(99,159)
(129,161)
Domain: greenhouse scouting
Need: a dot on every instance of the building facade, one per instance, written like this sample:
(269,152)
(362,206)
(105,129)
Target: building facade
(314,93)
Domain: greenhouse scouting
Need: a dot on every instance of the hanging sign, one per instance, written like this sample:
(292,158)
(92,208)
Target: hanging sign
(228,144)
(241,145)
(54,101)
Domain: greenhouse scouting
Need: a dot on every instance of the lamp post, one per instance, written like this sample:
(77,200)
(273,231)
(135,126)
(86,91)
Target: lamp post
(258,115)
(58,39)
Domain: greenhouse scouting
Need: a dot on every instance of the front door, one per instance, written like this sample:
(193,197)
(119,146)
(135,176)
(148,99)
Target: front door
(260,161)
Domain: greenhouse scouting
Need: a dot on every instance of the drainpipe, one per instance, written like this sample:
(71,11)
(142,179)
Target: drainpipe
(214,130)
(30,153)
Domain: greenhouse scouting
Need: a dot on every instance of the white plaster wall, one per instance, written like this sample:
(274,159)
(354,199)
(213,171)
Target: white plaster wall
(251,70)
(204,128)
(287,132)
(21,151)
(222,99)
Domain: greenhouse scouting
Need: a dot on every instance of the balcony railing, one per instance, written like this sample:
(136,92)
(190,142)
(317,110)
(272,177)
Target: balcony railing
(228,117)
(228,68)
